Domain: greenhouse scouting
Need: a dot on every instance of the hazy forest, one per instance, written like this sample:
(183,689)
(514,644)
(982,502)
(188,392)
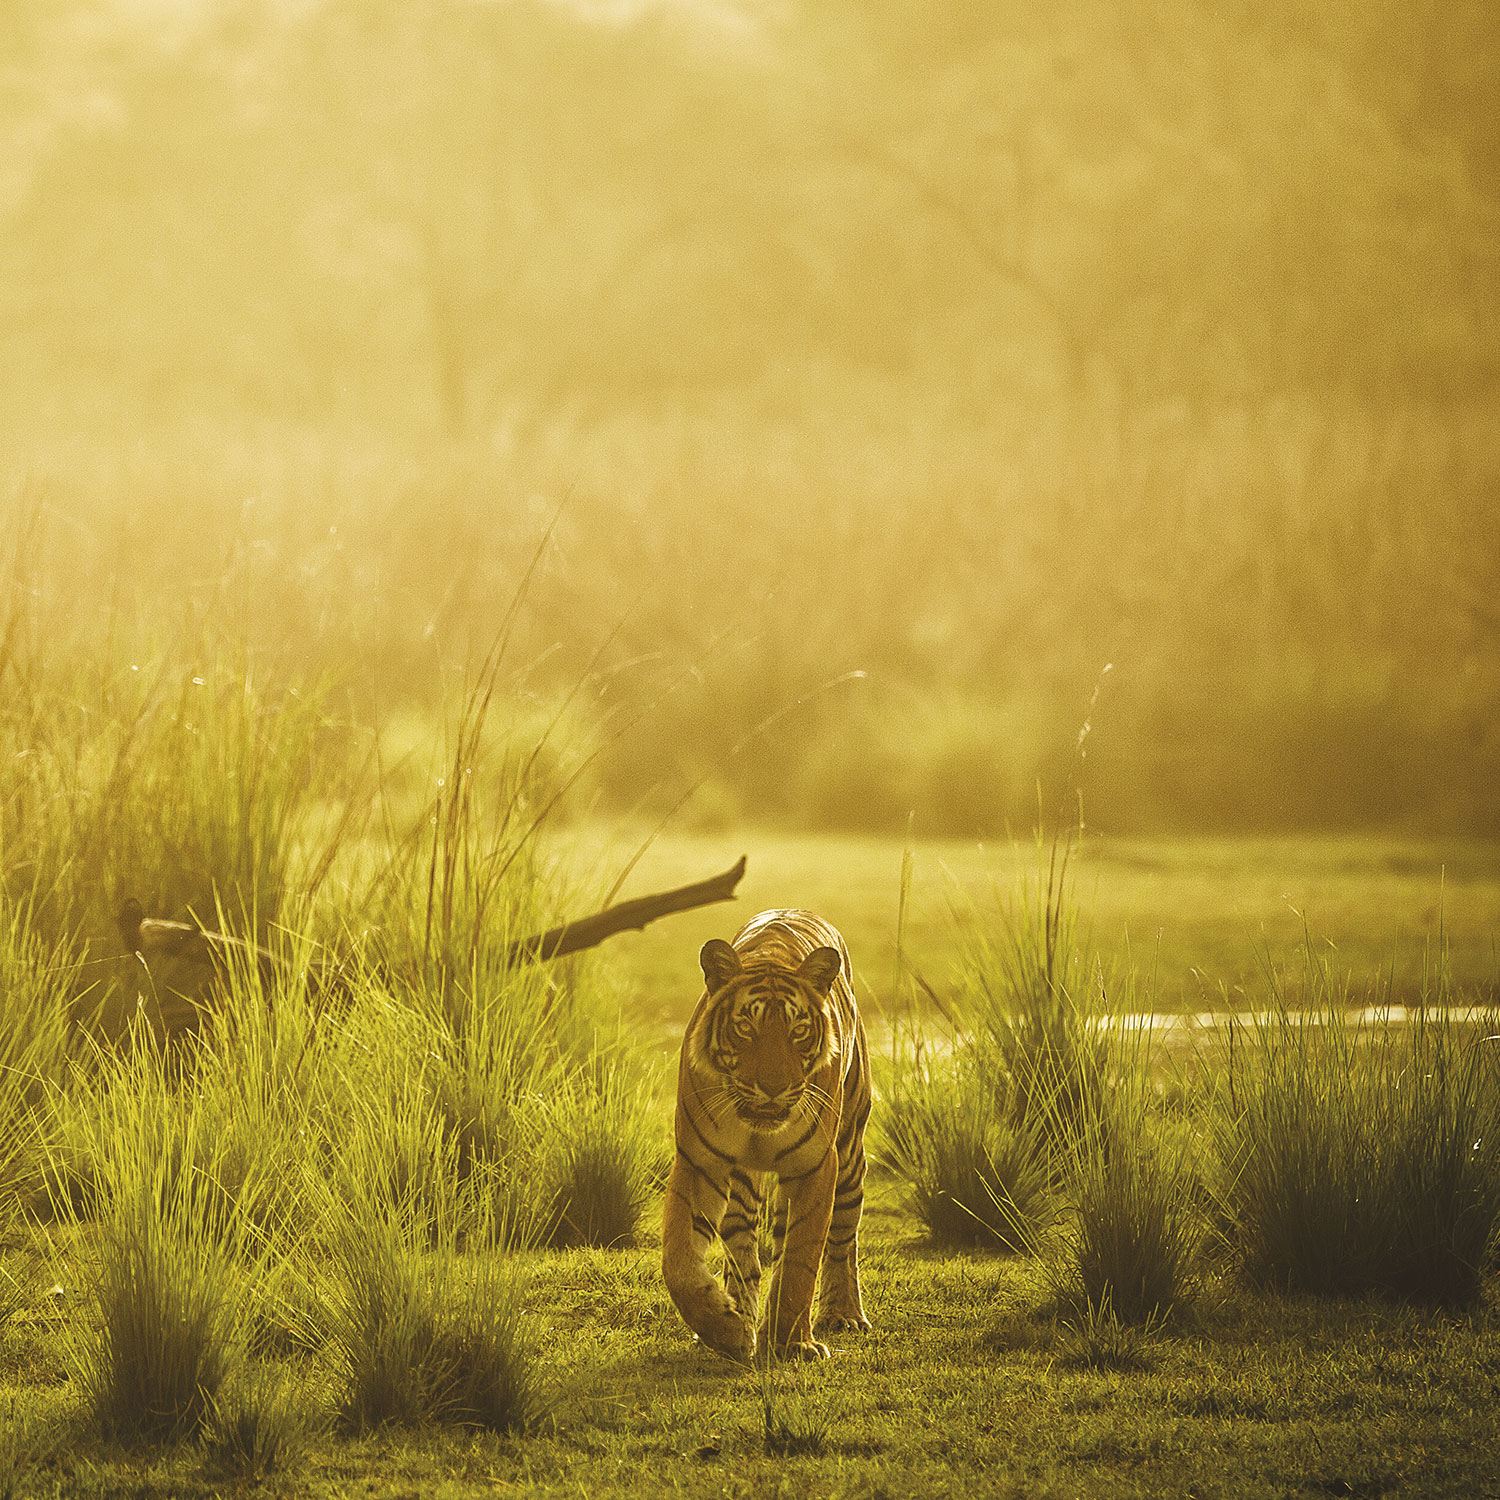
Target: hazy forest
(968,347)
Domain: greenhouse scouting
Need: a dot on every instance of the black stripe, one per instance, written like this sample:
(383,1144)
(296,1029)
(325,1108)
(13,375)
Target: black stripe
(802,1176)
(839,1242)
(702,1172)
(703,1225)
(860,1115)
(812,1130)
(843,1200)
(713,1149)
(854,1074)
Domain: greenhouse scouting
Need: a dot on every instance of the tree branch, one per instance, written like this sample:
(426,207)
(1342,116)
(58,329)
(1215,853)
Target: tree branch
(588,931)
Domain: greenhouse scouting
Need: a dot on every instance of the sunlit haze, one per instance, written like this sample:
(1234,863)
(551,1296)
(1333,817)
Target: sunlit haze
(969,350)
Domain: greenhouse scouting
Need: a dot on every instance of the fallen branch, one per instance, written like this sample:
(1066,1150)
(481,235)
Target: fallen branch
(152,938)
(626,916)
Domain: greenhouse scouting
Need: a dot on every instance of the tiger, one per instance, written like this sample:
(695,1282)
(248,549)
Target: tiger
(774,1078)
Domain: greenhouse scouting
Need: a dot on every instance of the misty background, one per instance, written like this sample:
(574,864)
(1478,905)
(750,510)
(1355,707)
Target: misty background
(971,348)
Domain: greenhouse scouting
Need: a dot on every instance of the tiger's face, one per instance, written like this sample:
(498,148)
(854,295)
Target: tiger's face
(768,1029)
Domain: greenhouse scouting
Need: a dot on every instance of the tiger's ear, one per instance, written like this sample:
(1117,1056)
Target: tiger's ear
(820,968)
(720,964)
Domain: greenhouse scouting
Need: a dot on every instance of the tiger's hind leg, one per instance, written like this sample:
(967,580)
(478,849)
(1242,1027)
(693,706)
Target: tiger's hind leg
(840,1309)
(740,1231)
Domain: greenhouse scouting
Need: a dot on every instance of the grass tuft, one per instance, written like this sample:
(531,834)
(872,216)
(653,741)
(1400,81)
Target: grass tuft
(974,1176)
(420,1332)
(171,1267)
(797,1413)
(23,1447)
(1030,998)
(1362,1159)
(1097,1338)
(1132,1229)
(604,1153)
(261,1426)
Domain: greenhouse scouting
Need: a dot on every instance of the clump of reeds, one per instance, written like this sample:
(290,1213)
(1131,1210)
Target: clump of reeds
(1359,1157)
(975,1175)
(1131,1223)
(1098,1338)
(173,1259)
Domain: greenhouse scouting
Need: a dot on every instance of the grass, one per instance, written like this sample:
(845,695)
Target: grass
(172,1263)
(973,1176)
(261,1426)
(422,1336)
(1358,1159)
(968,1383)
(36,1049)
(799,1413)
(1128,1253)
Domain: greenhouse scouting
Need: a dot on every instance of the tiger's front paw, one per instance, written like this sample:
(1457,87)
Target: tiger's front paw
(802,1349)
(843,1320)
(729,1334)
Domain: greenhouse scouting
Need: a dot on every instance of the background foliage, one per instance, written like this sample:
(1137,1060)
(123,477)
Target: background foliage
(967,347)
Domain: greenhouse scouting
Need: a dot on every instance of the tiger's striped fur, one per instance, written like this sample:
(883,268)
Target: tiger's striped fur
(774,1079)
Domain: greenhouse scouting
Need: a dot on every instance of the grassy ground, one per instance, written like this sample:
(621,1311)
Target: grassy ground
(1202,917)
(967,1385)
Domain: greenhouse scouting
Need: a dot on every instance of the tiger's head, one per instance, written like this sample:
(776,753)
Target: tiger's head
(768,1029)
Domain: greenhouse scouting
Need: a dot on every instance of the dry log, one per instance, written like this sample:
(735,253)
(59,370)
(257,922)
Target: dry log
(627,915)
(152,939)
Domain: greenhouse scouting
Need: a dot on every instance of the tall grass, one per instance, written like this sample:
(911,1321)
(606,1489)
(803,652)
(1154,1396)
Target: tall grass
(182,780)
(602,1154)
(1358,1157)
(975,1175)
(420,1331)
(978,1123)
(1132,1225)
(37,1046)
(1031,996)
(254,1159)
(173,1261)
